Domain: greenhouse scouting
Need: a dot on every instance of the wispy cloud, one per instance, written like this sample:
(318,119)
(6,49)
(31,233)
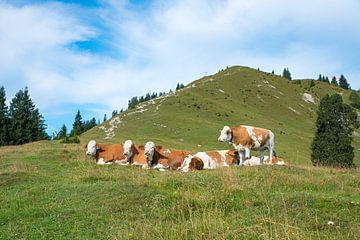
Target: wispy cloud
(100,55)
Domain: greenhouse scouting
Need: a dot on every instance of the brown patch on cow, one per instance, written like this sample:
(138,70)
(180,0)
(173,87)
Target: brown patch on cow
(196,164)
(109,152)
(172,159)
(231,157)
(241,136)
(275,161)
(261,132)
(215,156)
(139,157)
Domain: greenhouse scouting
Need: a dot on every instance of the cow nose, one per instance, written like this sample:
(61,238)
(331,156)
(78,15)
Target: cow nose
(219,139)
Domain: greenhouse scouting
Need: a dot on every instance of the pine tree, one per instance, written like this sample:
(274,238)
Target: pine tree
(78,125)
(287,74)
(326,80)
(114,113)
(331,145)
(354,99)
(26,123)
(334,81)
(62,134)
(177,87)
(4,120)
(320,77)
(105,118)
(343,82)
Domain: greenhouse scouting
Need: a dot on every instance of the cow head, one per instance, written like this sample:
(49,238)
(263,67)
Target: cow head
(225,134)
(149,152)
(128,149)
(91,148)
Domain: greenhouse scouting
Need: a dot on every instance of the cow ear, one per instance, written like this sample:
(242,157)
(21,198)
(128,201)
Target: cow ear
(85,146)
(141,147)
(158,148)
(99,147)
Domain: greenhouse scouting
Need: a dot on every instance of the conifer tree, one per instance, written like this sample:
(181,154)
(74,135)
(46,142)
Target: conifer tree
(334,81)
(343,82)
(331,145)
(354,99)
(77,125)
(105,118)
(287,74)
(4,120)
(62,134)
(26,123)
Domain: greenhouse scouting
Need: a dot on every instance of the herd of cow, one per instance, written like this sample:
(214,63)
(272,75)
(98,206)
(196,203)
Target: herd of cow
(242,138)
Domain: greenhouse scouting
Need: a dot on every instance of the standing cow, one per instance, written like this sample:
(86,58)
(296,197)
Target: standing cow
(245,138)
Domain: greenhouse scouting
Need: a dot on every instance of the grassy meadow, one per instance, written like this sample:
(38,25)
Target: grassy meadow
(50,190)
(53,191)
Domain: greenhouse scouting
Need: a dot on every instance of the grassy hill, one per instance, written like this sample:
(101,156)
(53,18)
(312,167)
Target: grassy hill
(192,117)
(50,190)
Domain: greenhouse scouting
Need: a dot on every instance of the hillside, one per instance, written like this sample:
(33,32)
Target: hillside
(192,117)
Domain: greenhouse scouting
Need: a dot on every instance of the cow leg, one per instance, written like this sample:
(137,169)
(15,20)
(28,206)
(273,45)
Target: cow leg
(241,157)
(247,153)
(261,156)
(271,153)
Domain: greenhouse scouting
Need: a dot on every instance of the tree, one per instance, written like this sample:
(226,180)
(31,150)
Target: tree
(343,82)
(114,113)
(334,81)
(105,118)
(77,125)
(326,80)
(62,134)
(354,99)
(331,145)
(4,120)
(312,84)
(26,123)
(287,74)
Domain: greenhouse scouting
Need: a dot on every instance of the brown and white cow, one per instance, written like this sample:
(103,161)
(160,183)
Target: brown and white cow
(105,153)
(245,138)
(255,161)
(209,160)
(134,155)
(163,158)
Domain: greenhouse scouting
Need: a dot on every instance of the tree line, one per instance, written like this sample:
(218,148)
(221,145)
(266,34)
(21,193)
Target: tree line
(134,101)
(21,122)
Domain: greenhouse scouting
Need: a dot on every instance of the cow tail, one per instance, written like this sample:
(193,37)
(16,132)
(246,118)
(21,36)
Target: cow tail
(272,143)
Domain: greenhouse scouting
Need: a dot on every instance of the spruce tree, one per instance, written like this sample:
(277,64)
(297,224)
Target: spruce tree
(62,133)
(354,99)
(105,118)
(287,74)
(334,81)
(26,123)
(4,120)
(331,145)
(77,125)
(343,82)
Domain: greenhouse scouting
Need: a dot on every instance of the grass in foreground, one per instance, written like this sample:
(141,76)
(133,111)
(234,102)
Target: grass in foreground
(53,191)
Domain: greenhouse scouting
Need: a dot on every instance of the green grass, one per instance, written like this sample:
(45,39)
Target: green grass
(53,191)
(195,115)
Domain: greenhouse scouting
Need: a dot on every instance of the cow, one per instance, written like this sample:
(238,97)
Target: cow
(105,153)
(134,155)
(255,161)
(245,138)
(209,160)
(163,158)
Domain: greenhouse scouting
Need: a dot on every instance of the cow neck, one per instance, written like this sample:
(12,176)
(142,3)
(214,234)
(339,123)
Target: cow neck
(232,137)
(156,157)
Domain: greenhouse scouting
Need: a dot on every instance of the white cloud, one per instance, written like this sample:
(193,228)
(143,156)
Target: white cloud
(169,42)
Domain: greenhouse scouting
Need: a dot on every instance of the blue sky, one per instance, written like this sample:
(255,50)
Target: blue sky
(95,55)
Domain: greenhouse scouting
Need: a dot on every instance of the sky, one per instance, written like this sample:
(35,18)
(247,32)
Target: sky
(93,56)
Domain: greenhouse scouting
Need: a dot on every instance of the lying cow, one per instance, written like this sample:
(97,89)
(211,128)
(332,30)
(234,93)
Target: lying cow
(134,155)
(209,160)
(255,161)
(245,138)
(105,153)
(164,158)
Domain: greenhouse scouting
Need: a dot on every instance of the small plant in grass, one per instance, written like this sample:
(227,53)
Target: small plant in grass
(332,142)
